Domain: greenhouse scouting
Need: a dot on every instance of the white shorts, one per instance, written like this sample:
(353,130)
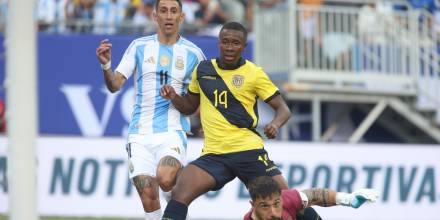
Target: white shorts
(146,150)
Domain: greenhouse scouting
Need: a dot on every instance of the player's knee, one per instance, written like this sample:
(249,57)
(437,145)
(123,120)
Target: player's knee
(167,172)
(166,182)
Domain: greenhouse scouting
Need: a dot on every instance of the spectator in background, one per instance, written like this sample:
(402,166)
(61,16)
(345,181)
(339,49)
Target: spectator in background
(142,19)
(374,21)
(210,17)
(249,13)
(234,9)
(429,5)
(108,16)
(51,15)
(437,21)
(270,3)
(309,30)
(2,117)
(80,15)
(3,14)
(46,12)
(189,8)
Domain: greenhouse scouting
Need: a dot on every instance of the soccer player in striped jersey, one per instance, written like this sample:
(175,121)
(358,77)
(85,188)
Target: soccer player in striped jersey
(156,142)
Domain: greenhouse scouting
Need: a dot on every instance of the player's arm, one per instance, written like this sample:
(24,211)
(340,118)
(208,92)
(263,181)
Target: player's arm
(282,114)
(320,197)
(113,81)
(186,104)
(327,197)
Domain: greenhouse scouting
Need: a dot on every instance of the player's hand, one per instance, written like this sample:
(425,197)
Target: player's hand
(167,92)
(357,198)
(103,52)
(271,130)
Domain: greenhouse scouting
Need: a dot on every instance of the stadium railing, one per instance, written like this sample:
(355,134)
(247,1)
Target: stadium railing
(354,50)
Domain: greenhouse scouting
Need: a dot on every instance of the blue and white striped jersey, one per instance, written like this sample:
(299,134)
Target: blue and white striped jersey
(153,65)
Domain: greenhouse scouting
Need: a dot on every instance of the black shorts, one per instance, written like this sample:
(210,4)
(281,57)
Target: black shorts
(246,165)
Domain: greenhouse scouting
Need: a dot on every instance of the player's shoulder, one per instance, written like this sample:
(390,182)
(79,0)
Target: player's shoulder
(144,40)
(291,194)
(252,65)
(188,43)
(253,69)
(191,46)
(206,62)
(205,67)
(248,215)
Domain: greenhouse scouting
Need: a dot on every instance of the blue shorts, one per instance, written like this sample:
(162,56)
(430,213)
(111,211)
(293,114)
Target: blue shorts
(246,165)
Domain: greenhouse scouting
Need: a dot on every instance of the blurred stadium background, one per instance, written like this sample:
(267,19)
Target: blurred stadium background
(362,78)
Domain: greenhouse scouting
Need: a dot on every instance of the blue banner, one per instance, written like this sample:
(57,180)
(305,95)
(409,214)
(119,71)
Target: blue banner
(73,99)
(71,91)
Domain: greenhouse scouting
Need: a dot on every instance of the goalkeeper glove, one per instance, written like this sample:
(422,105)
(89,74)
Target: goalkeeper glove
(357,198)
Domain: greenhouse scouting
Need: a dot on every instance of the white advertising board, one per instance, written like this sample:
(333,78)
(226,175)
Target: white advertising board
(88,177)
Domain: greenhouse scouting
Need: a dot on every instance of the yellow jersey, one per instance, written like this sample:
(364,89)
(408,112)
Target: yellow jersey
(228,105)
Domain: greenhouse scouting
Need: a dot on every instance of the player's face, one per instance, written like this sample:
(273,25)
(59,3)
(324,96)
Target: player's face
(269,208)
(231,45)
(168,16)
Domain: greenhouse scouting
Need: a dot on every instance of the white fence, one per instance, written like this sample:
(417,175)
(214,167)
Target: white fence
(362,49)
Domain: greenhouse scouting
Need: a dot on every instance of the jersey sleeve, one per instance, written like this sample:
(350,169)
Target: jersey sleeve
(193,84)
(264,87)
(292,202)
(127,65)
(200,55)
(247,216)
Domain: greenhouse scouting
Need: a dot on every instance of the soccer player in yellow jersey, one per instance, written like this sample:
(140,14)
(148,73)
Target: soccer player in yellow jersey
(226,89)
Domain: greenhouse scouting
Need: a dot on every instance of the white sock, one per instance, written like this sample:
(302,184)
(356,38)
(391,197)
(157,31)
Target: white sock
(166,195)
(154,215)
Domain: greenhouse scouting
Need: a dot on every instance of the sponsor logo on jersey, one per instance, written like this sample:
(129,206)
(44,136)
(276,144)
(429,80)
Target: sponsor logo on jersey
(209,77)
(150,60)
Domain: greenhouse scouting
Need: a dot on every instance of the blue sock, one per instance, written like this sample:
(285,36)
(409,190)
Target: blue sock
(175,211)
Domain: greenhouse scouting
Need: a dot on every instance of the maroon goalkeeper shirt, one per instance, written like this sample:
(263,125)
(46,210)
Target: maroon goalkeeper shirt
(292,204)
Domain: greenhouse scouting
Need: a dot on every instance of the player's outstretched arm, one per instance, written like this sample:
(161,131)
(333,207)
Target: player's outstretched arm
(282,114)
(326,197)
(357,198)
(187,104)
(113,81)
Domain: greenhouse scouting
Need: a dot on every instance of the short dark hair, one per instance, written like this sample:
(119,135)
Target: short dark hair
(233,25)
(178,1)
(263,187)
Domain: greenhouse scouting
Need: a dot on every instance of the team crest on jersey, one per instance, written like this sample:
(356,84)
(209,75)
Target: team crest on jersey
(179,63)
(237,80)
(164,60)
